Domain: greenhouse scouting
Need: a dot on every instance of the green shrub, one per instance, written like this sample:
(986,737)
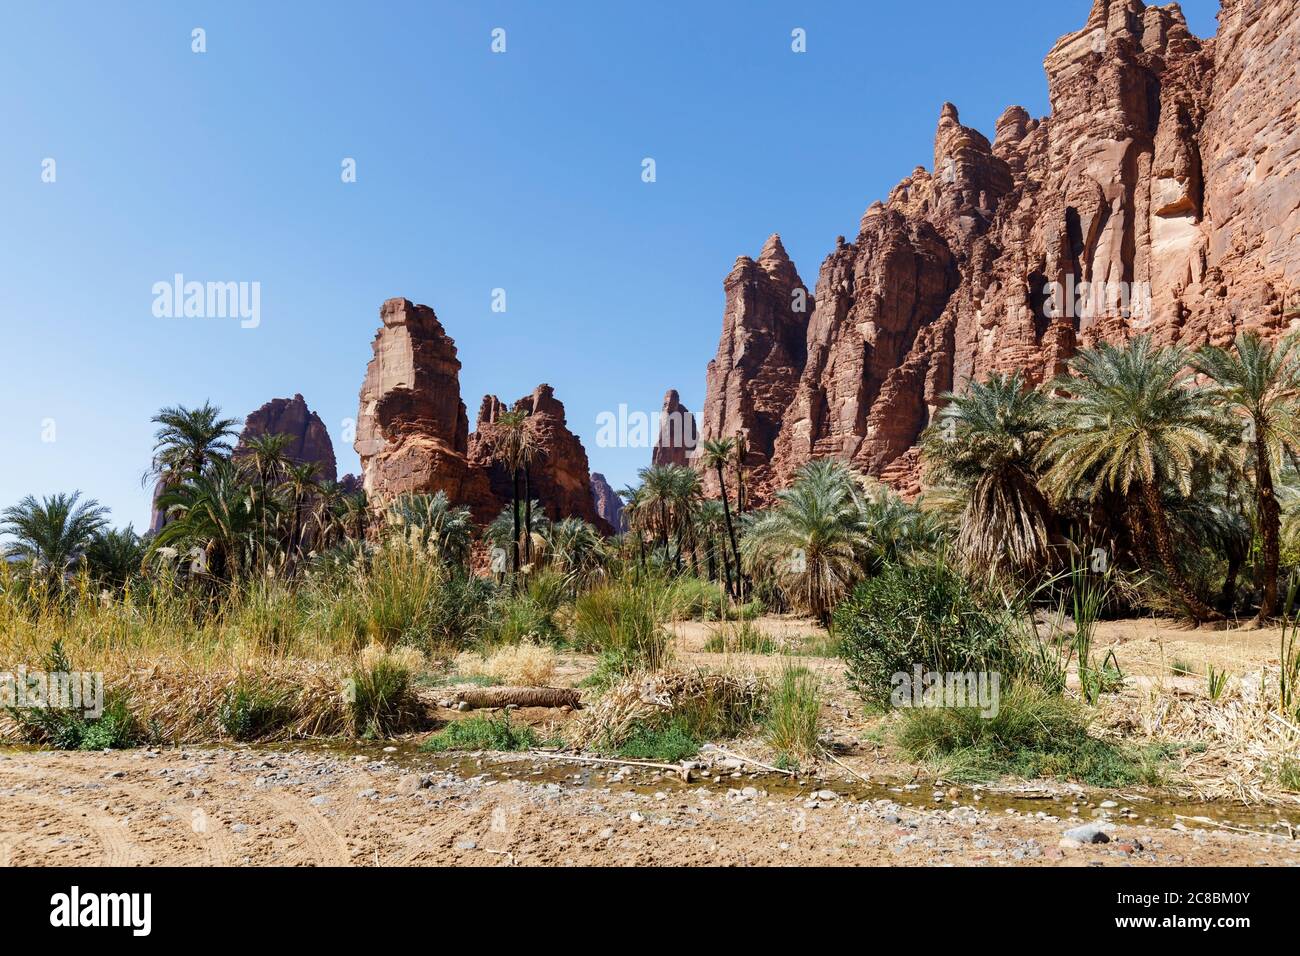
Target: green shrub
(482,733)
(399,594)
(1033,734)
(621,623)
(68,728)
(251,712)
(382,702)
(691,598)
(924,614)
(794,713)
(517,617)
(673,742)
(462,613)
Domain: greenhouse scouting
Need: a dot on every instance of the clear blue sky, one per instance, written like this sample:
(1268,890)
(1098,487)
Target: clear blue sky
(475,171)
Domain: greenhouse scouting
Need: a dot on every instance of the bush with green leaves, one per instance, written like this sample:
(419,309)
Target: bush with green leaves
(252,711)
(923,614)
(69,728)
(382,702)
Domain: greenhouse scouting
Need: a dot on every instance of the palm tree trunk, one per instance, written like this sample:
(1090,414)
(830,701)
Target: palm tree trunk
(1164,547)
(1270,520)
(1228,596)
(726,568)
(514,514)
(731,533)
(528,519)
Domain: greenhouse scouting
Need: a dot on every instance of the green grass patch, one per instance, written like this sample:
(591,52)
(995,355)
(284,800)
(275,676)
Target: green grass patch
(483,733)
(793,714)
(1033,734)
(673,743)
(820,644)
(743,638)
(1288,774)
(249,711)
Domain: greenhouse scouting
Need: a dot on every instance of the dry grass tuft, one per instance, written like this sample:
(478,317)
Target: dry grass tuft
(710,703)
(179,704)
(522,665)
(1242,739)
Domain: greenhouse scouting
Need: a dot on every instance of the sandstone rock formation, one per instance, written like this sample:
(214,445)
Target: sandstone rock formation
(1161,196)
(677,437)
(559,478)
(609,506)
(413,432)
(763,349)
(309,438)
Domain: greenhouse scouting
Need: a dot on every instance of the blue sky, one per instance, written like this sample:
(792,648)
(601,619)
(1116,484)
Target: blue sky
(475,171)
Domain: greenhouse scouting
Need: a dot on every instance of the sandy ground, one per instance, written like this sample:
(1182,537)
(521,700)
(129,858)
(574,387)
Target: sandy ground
(258,807)
(335,806)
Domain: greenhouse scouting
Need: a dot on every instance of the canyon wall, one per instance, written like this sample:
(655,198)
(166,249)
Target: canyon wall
(1161,196)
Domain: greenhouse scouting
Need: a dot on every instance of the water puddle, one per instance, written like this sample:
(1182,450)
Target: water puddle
(1066,802)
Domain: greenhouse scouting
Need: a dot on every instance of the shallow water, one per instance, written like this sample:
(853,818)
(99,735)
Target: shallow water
(1150,808)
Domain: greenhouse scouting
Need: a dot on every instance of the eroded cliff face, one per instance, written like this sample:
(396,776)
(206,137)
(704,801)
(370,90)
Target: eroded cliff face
(559,477)
(1161,196)
(413,433)
(608,504)
(753,378)
(678,436)
(309,439)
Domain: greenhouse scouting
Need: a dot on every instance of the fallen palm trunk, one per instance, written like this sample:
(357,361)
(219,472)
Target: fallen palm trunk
(519,696)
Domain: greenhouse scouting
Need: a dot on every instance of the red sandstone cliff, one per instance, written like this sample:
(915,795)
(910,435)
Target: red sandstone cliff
(309,439)
(677,438)
(1166,180)
(413,432)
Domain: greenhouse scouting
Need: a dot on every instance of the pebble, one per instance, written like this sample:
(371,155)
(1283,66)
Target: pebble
(1088,833)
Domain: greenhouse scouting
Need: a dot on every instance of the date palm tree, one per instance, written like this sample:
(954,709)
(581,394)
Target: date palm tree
(1131,420)
(657,498)
(985,443)
(717,453)
(215,512)
(684,485)
(811,542)
(575,549)
(515,446)
(52,534)
(637,516)
(190,439)
(113,555)
(435,524)
(265,462)
(299,486)
(1260,382)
